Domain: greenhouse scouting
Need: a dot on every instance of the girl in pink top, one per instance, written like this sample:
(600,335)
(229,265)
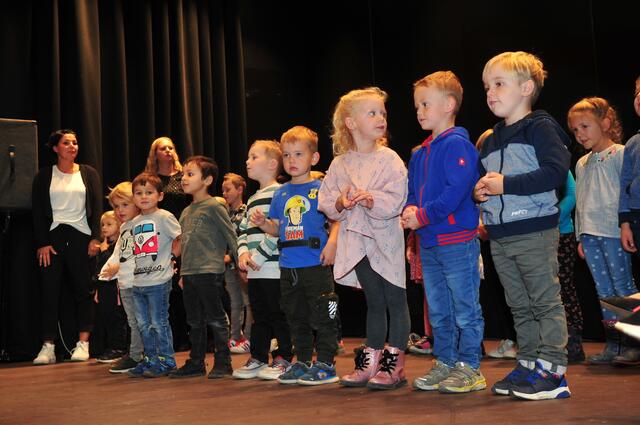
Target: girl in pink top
(365,188)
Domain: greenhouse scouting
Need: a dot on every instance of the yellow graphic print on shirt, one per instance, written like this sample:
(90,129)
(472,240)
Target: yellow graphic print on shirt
(294,209)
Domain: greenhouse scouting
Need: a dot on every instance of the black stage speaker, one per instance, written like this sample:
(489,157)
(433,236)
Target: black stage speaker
(18,162)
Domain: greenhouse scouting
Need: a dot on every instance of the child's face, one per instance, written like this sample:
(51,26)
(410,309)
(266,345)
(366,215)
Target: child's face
(505,94)
(259,165)
(125,209)
(146,198)
(369,119)
(636,99)
(588,131)
(109,228)
(432,107)
(298,159)
(192,181)
(230,193)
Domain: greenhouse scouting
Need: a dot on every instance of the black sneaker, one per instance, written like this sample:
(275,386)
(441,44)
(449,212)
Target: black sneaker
(220,370)
(109,356)
(541,384)
(189,370)
(124,365)
(514,377)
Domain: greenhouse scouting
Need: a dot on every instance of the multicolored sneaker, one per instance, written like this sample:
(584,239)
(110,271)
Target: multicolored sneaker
(541,384)
(239,346)
(424,345)
(293,373)
(514,377)
(162,366)
(138,371)
(319,374)
(274,370)
(250,369)
(463,379)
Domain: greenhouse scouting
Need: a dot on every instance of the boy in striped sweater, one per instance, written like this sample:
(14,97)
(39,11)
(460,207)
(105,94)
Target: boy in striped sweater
(258,255)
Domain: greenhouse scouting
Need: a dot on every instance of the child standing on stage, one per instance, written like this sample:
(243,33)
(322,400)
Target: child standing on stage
(365,189)
(154,235)
(121,265)
(233,187)
(258,255)
(112,315)
(521,164)
(442,174)
(597,128)
(306,285)
(207,234)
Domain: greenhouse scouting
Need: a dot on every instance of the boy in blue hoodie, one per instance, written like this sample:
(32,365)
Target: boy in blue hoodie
(442,175)
(522,164)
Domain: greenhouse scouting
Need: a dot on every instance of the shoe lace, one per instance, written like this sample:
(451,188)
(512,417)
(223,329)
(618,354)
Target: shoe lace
(362,360)
(388,361)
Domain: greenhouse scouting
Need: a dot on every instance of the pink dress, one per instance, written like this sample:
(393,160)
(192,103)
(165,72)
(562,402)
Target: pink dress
(376,233)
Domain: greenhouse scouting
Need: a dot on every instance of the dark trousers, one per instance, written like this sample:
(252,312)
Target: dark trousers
(309,302)
(268,320)
(72,261)
(111,316)
(202,295)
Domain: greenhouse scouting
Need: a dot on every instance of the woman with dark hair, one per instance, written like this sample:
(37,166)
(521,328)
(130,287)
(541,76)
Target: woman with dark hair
(67,204)
(163,161)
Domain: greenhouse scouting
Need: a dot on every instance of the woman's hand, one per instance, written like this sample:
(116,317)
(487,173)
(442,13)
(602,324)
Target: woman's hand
(44,255)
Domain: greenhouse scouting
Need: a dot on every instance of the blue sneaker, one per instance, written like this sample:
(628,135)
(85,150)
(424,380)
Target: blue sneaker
(163,366)
(293,373)
(541,384)
(320,373)
(514,377)
(138,371)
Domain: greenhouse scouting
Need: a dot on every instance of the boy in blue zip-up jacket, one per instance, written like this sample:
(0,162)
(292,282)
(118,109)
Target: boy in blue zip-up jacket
(522,164)
(442,174)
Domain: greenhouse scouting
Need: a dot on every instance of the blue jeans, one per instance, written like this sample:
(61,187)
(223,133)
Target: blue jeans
(152,314)
(136,348)
(610,267)
(452,287)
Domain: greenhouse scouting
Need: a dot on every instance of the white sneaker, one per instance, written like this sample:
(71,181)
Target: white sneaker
(47,355)
(275,369)
(81,352)
(250,369)
(506,350)
(274,345)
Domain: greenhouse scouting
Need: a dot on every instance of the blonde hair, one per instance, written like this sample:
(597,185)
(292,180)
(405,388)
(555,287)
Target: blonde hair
(272,150)
(446,82)
(341,137)
(601,109)
(236,179)
(109,215)
(524,65)
(483,137)
(122,190)
(301,133)
(152,160)
(316,175)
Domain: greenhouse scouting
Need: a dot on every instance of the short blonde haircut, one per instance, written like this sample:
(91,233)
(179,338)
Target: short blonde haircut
(123,191)
(236,179)
(152,161)
(341,137)
(316,175)
(301,133)
(524,65)
(271,149)
(446,82)
(109,215)
(601,109)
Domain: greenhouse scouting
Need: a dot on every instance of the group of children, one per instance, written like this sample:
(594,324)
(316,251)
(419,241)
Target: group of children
(368,199)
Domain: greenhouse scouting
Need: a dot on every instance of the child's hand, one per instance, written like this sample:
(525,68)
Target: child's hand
(227,259)
(181,283)
(580,250)
(494,183)
(109,271)
(409,220)
(258,218)
(95,297)
(626,238)
(94,248)
(245,263)
(344,201)
(480,192)
(328,254)
(362,197)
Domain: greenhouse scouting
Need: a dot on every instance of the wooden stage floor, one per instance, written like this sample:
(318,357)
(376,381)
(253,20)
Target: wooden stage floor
(85,393)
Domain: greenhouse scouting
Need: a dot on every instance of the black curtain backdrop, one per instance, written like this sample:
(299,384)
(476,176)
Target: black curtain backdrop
(216,75)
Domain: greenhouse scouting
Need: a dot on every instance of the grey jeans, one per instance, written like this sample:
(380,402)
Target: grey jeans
(239,300)
(528,269)
(136,347)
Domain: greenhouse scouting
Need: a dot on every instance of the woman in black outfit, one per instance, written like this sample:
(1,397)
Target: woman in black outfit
(163,161)
(67,204)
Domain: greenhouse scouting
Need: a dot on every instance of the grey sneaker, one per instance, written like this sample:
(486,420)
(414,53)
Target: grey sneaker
(506,350)
(431,381)
(463,379)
